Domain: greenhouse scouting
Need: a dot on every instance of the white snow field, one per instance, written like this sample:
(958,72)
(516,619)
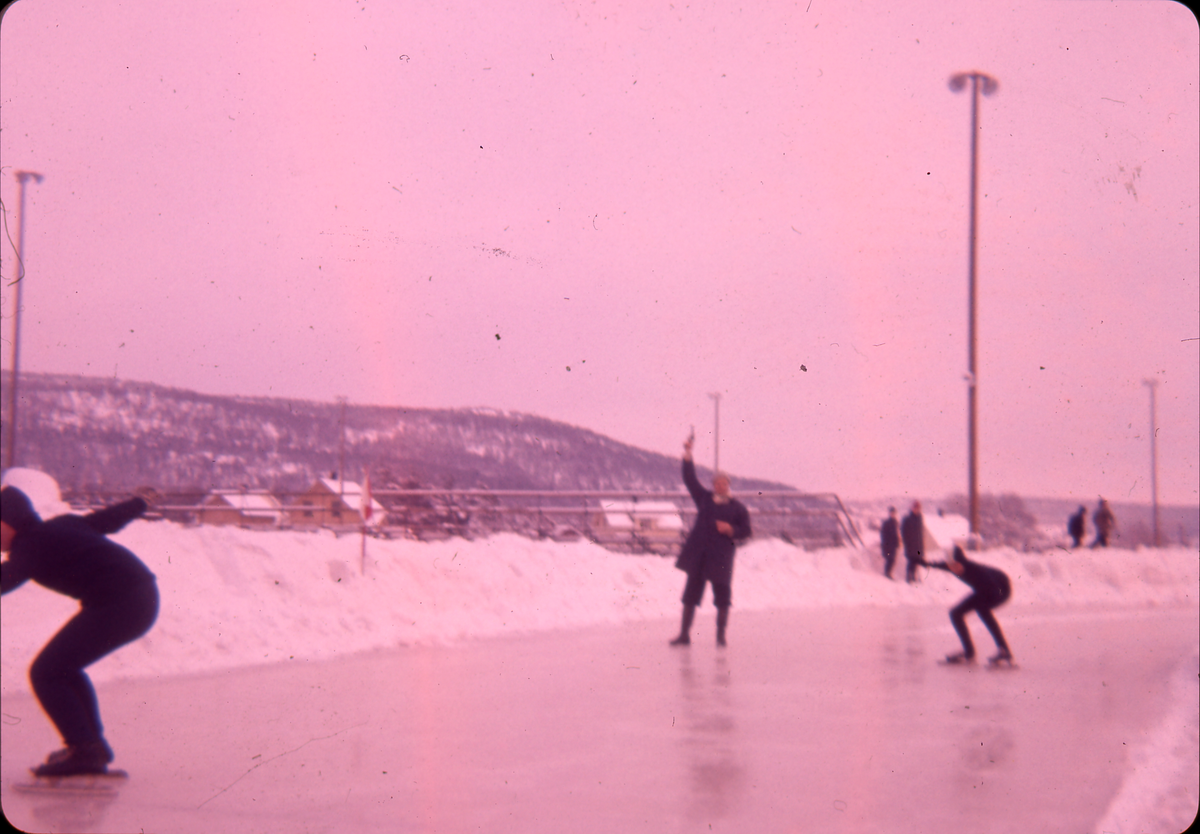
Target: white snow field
(506,684)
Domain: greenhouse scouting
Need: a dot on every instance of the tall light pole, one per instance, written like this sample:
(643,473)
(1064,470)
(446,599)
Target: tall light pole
(11,447)
(716,398)
(1152,384)
(985,84)
(342,451)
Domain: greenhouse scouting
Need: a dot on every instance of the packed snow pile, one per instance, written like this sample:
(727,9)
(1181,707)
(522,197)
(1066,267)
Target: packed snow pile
(234,597)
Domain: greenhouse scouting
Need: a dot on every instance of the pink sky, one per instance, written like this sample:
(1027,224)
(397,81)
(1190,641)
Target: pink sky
(646,203)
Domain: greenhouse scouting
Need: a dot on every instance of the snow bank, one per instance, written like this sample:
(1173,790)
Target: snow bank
(235,597)
(1162,790)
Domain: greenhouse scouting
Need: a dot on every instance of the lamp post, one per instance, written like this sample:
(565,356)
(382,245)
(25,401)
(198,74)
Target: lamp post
(342,451)
(716,398)
(11,447)
(986,85)
(1152,384)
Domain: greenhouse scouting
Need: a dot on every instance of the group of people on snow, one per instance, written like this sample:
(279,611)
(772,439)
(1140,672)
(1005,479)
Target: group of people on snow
(1103,521)
(911,533)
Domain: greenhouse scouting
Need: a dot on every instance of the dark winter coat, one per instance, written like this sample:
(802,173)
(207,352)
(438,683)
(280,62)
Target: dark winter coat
(707,549)
(990,584)
(1075,524)
(889,537)
(912,531)
(70,554)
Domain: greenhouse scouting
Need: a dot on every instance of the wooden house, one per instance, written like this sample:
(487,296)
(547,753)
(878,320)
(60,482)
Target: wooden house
(332,503)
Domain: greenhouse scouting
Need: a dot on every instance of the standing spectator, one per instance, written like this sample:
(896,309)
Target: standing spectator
(889,541)
(707,555)
(1076,524)
(912,532)
(1104,521)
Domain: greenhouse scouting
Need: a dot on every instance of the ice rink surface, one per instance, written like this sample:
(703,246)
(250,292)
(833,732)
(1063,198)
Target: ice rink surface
(836,720)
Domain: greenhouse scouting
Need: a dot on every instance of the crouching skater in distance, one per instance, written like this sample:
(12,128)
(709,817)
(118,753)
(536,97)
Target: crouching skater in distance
(990,589)
(118,599)
(707,555)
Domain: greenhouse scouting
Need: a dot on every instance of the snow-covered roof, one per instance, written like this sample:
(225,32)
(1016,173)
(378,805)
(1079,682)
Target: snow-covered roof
(351,493)
(248,502)
(348,490)
(341,487)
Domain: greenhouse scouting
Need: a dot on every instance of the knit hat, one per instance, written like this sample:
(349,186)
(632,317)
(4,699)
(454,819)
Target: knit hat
(16,510)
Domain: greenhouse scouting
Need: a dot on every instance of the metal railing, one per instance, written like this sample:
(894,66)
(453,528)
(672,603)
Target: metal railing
(809,519)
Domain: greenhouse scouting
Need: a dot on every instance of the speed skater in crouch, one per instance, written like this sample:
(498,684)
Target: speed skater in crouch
(118,603)
(990,589)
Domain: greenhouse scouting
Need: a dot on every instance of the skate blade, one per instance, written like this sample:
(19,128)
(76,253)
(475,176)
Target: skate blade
(85,784)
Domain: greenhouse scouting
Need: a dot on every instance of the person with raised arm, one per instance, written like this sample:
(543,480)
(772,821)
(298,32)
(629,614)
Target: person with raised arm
(707,555)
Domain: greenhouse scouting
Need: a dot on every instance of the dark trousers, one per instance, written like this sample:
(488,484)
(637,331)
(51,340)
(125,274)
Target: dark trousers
(693,591)
(983,606)
(910,569)
(889,559)
(57,676)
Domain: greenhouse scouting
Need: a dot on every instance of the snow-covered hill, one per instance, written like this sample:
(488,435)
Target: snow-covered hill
(113,435)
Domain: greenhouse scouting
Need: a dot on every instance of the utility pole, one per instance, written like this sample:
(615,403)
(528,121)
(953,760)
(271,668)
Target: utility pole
(1152,384)
(342,453)
(716,398)
(11,446)
(985,84)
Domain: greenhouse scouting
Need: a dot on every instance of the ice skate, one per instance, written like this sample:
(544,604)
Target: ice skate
(1002,660)
(66,752)
(958,659)
(84,759)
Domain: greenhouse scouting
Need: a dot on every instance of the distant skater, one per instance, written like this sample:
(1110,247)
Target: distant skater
(1075,526)
(118,599)
(1104,521)
(707,556)
(912,532)
(990,589)
(889,541)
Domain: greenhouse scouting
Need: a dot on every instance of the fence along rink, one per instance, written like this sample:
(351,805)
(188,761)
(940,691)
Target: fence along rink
(626,521)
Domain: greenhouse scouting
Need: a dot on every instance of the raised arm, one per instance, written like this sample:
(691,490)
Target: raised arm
(697,491)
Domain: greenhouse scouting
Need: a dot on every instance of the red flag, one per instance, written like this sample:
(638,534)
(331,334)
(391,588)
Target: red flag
(366,498)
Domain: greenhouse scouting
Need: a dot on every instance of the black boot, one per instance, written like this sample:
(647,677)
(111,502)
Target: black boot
(88,758)
(685,629)
(68,752)
(722,621)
